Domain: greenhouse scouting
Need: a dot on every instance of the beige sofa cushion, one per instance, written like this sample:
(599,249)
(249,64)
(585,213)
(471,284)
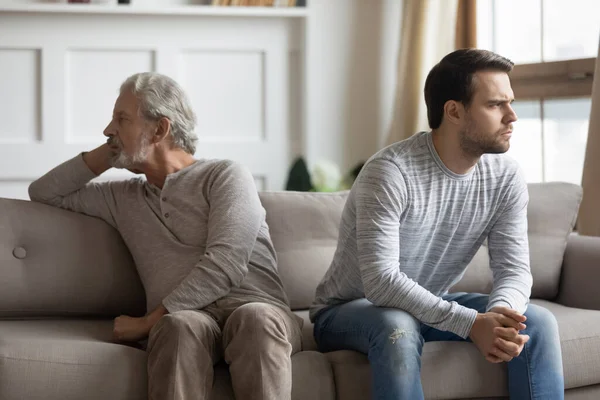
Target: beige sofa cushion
(76,359)
(304,228)
(68,360)
(448,368)
(308,337)
(551,215)
(55,262)
(580,343)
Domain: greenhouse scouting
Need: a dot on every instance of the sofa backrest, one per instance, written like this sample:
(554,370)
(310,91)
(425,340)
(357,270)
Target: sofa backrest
(55,262)
(304,228)
(551,215)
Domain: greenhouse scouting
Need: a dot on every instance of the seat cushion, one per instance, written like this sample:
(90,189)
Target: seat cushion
(448,371)
(453,370)
(308,337)
(312,378)
(580,343)
(76,359)
(68,360)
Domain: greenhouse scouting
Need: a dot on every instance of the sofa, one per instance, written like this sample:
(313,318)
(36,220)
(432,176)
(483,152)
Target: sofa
(64,276)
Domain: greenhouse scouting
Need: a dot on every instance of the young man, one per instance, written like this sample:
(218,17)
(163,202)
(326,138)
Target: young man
(415,217)
(198,236)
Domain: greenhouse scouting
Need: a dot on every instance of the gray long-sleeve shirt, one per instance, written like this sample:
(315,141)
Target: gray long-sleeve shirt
(411,226)
(200,241)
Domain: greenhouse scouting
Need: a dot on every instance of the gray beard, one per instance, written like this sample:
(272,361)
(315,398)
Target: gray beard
(123,160)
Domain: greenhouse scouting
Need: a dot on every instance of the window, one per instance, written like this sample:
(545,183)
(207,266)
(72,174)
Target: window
(554,44)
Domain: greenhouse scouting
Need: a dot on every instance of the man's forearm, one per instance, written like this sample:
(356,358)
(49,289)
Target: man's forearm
(97,159)
(70,176)
(66,185)
(511,292)
(155,315)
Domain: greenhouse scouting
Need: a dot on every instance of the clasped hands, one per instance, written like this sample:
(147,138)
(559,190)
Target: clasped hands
(496,334)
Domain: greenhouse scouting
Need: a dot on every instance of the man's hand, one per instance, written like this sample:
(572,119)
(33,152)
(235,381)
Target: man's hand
(497,336)
(509,312)
(509,339)
(130,329)
(97,160)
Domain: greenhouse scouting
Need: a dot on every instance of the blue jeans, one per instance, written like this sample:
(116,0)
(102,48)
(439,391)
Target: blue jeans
(396,364)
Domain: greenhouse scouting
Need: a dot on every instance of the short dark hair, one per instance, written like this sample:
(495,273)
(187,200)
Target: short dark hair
(452,79)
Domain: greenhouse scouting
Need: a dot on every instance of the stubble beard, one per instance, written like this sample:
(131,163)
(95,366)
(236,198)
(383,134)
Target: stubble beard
(473,143)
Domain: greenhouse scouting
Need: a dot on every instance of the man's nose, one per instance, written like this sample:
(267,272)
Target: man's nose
(511,116)
(108,131)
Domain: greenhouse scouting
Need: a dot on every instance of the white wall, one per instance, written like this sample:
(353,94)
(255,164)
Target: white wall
(352,49)
(321,84)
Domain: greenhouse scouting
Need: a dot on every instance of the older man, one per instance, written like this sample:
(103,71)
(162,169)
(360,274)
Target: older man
(198,235)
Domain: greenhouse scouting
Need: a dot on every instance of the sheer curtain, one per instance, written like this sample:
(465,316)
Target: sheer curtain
(466,24)
(428,32)
(589,212)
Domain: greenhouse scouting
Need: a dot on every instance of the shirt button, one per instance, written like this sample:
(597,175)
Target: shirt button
(166,215)
(164,199)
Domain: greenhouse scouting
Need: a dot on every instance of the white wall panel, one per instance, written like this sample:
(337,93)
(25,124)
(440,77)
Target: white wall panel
(236,71)
(93,78)
(260,182)
(14,190)
(267,86)
(226,89)
(20,91)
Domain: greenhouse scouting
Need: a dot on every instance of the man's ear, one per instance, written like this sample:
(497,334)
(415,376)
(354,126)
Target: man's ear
(163,127)
(454,112)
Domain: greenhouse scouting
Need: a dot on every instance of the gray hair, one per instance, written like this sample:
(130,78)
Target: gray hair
(160,96)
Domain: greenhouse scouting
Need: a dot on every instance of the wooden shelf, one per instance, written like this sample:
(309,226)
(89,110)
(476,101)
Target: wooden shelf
(199,10)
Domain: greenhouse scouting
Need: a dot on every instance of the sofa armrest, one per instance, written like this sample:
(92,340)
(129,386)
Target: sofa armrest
(581,273)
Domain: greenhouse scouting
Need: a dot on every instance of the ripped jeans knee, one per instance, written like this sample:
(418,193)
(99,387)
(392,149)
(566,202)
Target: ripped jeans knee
(398,344)
(384,334)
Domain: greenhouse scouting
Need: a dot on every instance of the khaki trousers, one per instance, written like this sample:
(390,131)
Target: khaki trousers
(256,340)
